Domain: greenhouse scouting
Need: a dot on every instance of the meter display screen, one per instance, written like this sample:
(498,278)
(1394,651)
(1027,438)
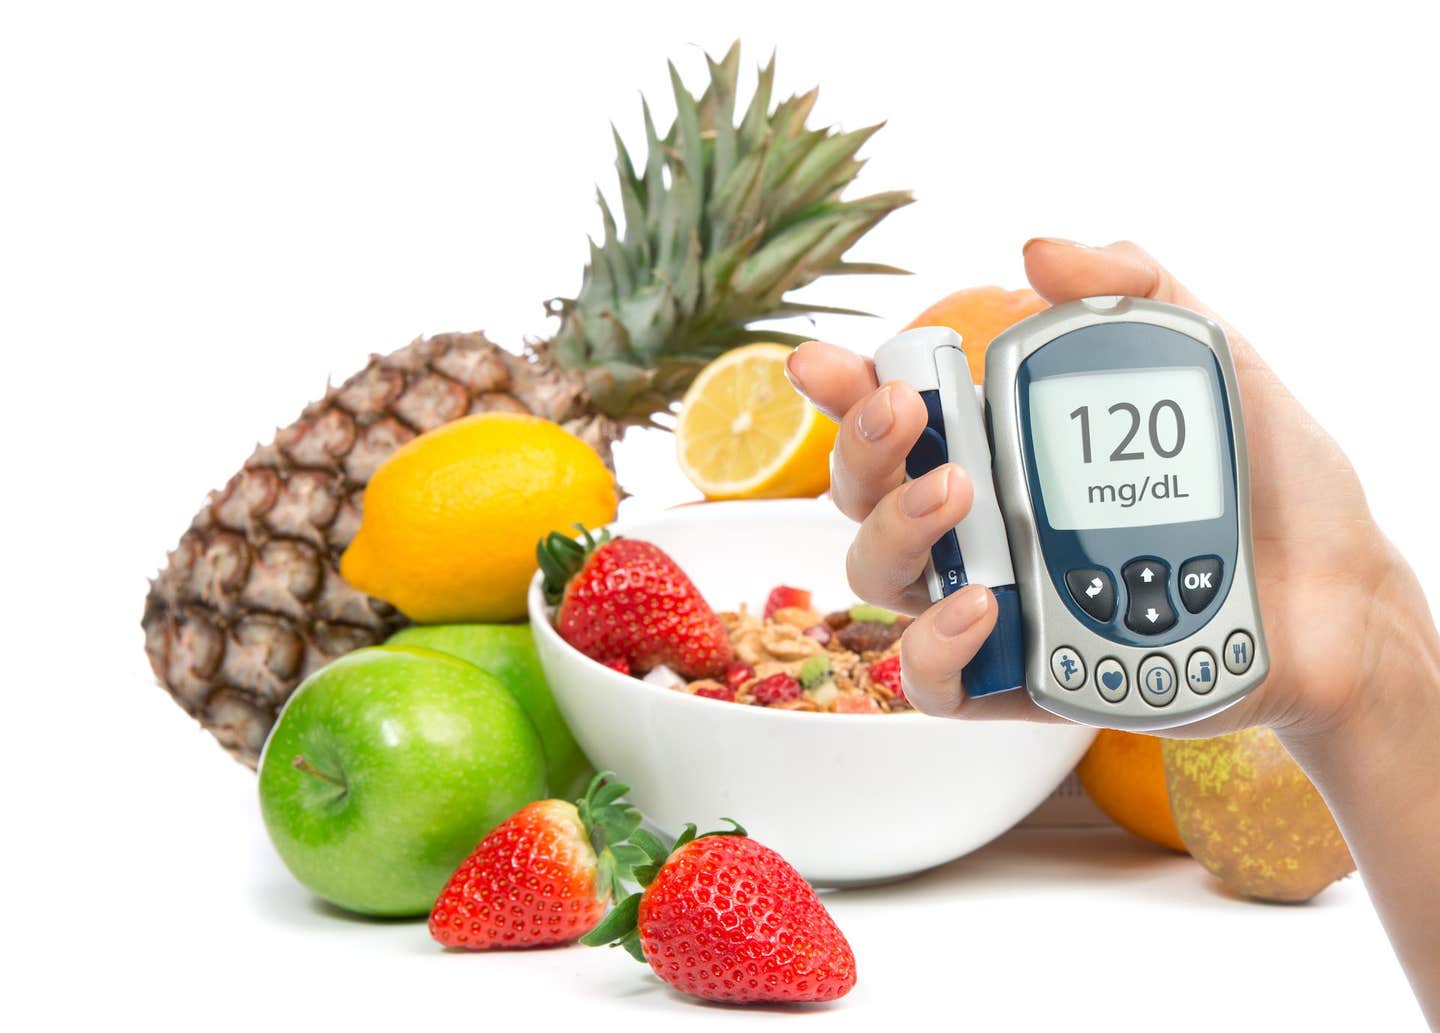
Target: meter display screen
(1127,448)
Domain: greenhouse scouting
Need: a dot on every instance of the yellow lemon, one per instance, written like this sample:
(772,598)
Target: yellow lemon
(745,433)
(450,521)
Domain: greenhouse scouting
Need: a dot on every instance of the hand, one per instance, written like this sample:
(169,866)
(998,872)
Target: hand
(1330,585)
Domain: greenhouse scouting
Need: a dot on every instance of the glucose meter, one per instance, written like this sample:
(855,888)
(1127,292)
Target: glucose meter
(1121,475)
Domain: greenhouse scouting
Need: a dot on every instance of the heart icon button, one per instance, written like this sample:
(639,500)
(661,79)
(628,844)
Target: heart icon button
(1113,679)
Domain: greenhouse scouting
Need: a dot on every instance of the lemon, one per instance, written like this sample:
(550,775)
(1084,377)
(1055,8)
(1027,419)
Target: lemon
(450,521)
(745,433)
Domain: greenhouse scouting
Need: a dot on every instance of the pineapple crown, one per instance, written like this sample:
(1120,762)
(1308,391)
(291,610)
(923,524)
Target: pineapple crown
(720,223)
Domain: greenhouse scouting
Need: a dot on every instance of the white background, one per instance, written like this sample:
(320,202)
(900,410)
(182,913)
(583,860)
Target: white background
(209,209)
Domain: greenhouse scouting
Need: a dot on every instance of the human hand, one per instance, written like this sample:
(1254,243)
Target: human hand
(1331,587)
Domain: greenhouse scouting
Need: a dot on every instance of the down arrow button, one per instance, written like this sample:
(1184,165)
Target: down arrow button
(1149,611)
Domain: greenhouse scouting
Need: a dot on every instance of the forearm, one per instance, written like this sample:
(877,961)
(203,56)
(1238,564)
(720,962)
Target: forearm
(1379,771)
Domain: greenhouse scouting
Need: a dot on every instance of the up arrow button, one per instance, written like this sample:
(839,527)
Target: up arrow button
(1148,610)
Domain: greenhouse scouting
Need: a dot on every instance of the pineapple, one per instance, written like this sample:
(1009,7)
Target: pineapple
(719,224)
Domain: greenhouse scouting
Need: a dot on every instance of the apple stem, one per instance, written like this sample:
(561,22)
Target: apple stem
(310,769)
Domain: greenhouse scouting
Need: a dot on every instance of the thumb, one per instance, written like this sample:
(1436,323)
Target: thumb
(1062,270)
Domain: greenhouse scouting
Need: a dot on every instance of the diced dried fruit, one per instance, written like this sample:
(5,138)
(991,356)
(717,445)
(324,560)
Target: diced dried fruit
(814,671)
(819,632)
(887,673)
(737,675)
(837,620)
(778,688)
(712,690)
(868,636)
(855,703)
(866,612)
(822,694)
(783,595)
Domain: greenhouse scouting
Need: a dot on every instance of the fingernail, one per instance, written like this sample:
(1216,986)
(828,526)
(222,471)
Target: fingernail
(877,417)
(791,375)
(928,493)
(962,611)
(1063,242)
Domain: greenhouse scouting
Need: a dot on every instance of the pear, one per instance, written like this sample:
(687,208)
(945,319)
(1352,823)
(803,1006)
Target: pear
(1249,814)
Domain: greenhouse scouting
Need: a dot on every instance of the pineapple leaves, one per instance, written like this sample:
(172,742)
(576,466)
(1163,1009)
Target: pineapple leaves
(721,222)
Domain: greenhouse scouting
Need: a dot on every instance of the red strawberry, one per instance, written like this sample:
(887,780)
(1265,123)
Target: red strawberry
(778,688)
(887,673)
(536,879)
(737,674)
(783,596)
(724,918)
(624,599)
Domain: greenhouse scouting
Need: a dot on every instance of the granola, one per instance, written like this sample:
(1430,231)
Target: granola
(801,659)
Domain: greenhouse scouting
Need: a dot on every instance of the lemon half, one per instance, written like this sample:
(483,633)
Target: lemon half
(745,433)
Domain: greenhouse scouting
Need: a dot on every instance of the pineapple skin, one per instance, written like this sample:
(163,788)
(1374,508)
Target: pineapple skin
(251,600)
(726,215)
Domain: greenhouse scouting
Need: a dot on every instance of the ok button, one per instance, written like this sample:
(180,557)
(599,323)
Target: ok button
(1199,581)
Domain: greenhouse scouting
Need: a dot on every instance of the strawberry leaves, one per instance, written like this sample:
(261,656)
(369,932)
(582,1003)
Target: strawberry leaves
(620,928)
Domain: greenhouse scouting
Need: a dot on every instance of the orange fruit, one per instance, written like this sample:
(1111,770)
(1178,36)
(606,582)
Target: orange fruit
(978,314)
(1124,774)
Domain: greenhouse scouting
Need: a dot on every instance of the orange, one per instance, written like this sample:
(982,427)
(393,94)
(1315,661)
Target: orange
(1124,774)
(978,314)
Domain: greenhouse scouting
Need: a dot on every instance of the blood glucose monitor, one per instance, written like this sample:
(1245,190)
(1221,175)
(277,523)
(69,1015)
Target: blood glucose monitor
(1118,517)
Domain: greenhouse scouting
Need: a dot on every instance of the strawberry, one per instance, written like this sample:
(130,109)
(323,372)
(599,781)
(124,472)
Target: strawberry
(625,600)
(537,878)
(778,688)
(887,673)
(724,918)
(737,674)
(783,596)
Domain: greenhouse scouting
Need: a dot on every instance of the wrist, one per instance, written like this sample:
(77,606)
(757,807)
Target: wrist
(1390,720)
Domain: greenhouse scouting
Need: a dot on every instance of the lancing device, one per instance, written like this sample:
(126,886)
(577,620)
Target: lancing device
(976,551)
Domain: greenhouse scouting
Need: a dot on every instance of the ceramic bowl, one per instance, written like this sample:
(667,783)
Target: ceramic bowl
(848,799)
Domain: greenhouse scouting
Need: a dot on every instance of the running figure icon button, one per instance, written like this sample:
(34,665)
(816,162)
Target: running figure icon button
(1093,591)
(1068,668)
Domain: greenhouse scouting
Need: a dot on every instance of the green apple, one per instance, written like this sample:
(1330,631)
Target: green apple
(386,767)
(508,652)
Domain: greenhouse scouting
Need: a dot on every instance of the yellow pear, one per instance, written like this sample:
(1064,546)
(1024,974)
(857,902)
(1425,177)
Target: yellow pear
(1249,814)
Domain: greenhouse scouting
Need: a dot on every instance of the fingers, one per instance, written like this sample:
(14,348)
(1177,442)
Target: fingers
(886,562)
(877,424)
(1062,270)
(935,650)
(868,458)
(834,379)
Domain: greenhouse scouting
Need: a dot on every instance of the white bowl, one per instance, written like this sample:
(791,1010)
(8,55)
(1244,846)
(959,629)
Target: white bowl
(847,799)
